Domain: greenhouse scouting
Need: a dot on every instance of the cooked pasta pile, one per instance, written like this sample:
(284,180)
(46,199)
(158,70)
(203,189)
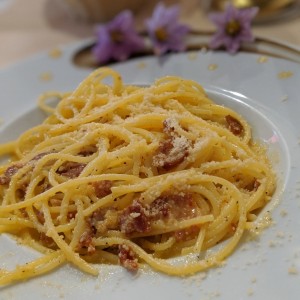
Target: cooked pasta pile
(132,175)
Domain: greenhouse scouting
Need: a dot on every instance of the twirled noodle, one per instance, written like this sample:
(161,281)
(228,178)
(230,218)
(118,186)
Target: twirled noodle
(132,175)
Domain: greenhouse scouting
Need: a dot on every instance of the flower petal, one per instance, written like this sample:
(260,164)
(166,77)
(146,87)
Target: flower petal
(120,48)
(166,19)
(247,15)
(233,47)
(218,19)
(217,41)
(232,40)
(123,20)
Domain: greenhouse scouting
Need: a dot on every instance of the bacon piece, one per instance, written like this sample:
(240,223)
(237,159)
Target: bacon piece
(135,218)
(256,185)
(102,220)
(86,241)
(71,169)
(13,169)
(55,201)
(172,150)
(44,185)
(233,227)
(253,186)
(9,172)
(97,216)
(160,208)
(98,223)
(169,126)
(40,155)
(71,215)
(46,240)
(177,206)
(4,180)
(40,215)
(186,233)
(102,188)
(127,258)
(234,125)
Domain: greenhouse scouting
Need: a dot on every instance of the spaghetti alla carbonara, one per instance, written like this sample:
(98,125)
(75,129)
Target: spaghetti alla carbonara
(133,176)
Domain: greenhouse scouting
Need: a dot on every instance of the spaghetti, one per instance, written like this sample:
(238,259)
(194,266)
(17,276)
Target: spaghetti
(132,175)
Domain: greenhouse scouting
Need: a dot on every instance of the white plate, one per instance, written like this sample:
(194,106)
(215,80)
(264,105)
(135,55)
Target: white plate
(267,267)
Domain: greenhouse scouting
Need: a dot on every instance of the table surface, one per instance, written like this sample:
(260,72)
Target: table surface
(31,26)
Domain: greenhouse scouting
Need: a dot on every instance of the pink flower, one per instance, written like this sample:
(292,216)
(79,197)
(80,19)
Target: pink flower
(117,39)
(165,32)
(233,28)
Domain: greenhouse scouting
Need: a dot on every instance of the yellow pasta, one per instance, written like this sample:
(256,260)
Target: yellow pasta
(132,175)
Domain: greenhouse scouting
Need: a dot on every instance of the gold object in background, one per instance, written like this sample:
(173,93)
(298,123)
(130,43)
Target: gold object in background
(268,9)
